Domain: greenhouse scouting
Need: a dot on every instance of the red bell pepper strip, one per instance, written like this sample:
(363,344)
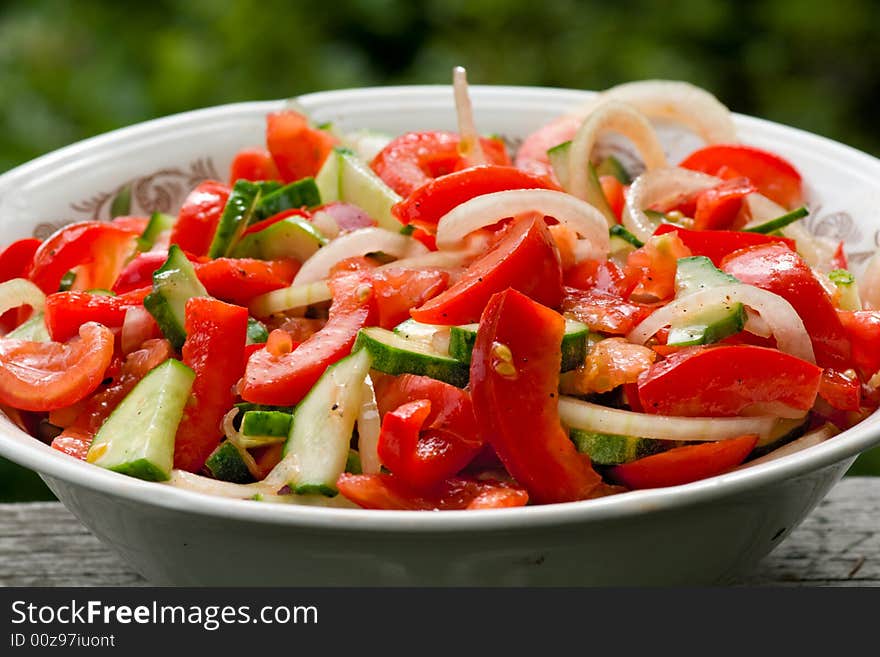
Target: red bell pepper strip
(606,312)
(718,208)
(780,270)
(198,217)
(41,376)
(99,249)
(727,381)
(253,164)
(15,259)
(514,380)
(384,491)
(863,331)
(297,149)
(774,177)
(65,312)
(716,244)
(399,290)
(238,280)
(840,390)
(275,218)
(284,379)
(215,336)
(525,259)
(413,159)
(425,205)
(683,465)
(139,272)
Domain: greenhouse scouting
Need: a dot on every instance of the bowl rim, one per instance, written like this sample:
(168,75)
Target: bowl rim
(20,447)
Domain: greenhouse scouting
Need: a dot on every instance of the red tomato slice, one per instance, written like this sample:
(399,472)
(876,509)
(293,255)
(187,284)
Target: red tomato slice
(73,444)
(397,291)
(414,158)
(297,149)
(425,205)
(774,177)
(602,311)
(98,249)
(238,280)
(683,465)
(718,208)
(780,270)
(716,244)
(139,272)
(41,376)
(532,155)
(66,311)
(863,330)
(384,491)
(214,349)
(729,380)
(514,387)
(198,217)
(284,379)
(524,259)
(253,164)
(840,390)
(653,266)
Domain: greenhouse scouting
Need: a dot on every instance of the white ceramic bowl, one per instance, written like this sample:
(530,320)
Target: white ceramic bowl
(708,531)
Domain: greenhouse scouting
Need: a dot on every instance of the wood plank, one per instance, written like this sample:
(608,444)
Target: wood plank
(42,544)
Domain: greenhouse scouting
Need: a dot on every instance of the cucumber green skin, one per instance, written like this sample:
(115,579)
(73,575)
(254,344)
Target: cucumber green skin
(302,193)
(619,231)
(257,333)
(266,423)
(611,166)
(66,281)
(226,464)
(353,464)
(159,221)
(696,333)
(779,222)
(574,344)
(244,407)
(791,430)
(121,204)
(612,449)
(388,359)
(174,283)
(137,438)
(237,214)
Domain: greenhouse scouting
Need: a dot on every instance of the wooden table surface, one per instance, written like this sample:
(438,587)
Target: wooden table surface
(41,544)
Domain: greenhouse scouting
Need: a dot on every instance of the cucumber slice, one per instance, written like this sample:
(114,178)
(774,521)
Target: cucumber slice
(174,283)
(316,451)
(227,464)
(244,407)
(778,223)
(298,194)
(619,232)
(67,281)
(847,289)
(574,343)
(257,333)
(344,177)
(784,431)
(353,462)
(33,330)
(266,423)
(611,166)
(392,353)
(713,323)
(293,237)
(612,449)
(595,196)
(239,210)
(138,437)
(413,330)
(158,223)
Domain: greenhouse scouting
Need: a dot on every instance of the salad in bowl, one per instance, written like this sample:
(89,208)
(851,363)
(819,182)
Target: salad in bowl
(442,320)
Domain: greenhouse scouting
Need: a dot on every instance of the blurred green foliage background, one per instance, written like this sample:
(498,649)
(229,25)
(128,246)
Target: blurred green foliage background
(69,70)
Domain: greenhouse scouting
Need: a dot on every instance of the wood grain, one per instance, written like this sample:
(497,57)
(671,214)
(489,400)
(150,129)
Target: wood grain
(41,544)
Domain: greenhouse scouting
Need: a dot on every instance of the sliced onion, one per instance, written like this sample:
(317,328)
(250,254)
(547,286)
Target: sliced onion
(326,224)
(617,117)
(137,327)
(756,325)
(290,298)
(469,143)
(578,414)
(433,260)
(488,209)
(810,439)
(206,485)
(357,243)
(21,292)
(869,283)
(657,187)
(780,316)
(369,426)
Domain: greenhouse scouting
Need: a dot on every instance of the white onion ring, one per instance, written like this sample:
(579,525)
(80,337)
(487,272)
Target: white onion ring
(207,486)
(290,298)
(488,209)
(869,283)
(658,186)
(357,243)
(617,117)
(601,419)
(369,426)
(469,146)
(780,316)
(137,327)
(21,292)
(810,439)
